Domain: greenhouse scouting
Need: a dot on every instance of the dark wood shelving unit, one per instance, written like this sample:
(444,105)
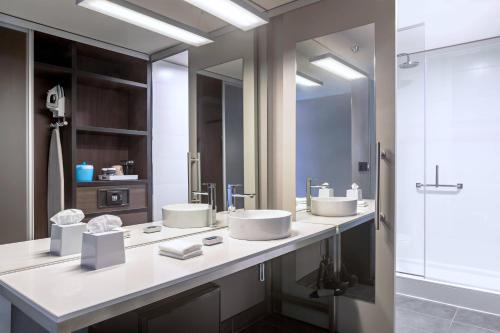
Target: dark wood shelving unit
(108,81)
(111,131)
(112,183)
(108,108)
(41,67)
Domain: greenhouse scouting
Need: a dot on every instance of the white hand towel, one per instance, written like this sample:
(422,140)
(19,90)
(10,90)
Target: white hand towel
(184,257)
(179,247)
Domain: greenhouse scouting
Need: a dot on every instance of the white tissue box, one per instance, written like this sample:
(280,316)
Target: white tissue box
(102,250)
(66,239)
(357,194)
(325,192)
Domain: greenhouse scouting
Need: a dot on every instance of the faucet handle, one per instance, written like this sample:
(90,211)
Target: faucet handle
(209,185)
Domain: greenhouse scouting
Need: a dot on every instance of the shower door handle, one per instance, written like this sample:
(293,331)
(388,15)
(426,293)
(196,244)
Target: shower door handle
(458,186)
(380,217)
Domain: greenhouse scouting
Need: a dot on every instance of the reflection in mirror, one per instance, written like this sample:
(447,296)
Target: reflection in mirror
(335,150)
(111,138)
(170,131)
(219,125)
(335,113)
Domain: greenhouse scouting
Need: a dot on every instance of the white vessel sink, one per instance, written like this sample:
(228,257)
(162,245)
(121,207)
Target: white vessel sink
(260,224)
(334,206)
(186,215)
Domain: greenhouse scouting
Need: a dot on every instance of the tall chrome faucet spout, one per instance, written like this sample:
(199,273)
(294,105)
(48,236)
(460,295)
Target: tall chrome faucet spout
(232,195)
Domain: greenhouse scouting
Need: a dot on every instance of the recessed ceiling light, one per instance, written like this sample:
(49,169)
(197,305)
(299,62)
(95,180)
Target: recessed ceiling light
(144,18)
(337,66)
(307,81)
(235,12)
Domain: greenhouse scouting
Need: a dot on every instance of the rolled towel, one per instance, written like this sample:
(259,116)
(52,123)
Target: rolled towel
(182,257)
(179,247)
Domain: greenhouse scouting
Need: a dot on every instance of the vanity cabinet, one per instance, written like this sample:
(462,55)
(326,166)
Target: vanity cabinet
(195,310)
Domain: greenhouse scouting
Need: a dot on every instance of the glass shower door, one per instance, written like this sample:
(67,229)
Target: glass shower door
(462,138)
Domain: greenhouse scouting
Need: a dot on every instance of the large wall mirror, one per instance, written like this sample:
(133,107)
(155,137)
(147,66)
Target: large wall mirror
(171,126)
(336,113)
(335,148)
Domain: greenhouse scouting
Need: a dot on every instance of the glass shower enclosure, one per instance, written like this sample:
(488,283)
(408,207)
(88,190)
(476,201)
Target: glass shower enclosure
(448,165)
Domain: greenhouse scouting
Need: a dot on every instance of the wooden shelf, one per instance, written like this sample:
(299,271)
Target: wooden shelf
(48,68)
(107,130)
(117,212)
(97,183)
(108,81)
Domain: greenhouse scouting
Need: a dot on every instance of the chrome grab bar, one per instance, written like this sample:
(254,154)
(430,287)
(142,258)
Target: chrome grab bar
(458,186)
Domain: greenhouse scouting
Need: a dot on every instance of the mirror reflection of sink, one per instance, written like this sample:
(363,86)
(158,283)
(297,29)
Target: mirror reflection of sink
(260,224)
(334,206)
(186,215)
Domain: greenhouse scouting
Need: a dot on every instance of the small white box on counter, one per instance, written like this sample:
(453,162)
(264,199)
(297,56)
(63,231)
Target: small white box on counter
(66,239)
(102,250)
(355,194)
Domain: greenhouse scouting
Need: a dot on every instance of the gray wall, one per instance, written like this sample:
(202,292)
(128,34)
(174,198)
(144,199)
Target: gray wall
(363,134)
(324,142)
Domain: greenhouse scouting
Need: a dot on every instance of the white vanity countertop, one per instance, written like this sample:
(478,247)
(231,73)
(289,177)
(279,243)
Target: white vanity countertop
(365,214)
(65,297)
(35,253)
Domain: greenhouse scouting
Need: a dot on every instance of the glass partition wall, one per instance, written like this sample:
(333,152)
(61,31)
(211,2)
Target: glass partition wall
(447,153)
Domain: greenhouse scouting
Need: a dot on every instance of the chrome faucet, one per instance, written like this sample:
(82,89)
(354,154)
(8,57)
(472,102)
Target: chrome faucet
(211,195)
(232,195)
(309,186)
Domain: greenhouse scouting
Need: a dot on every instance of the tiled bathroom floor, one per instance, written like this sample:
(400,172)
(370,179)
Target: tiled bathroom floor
(418,316)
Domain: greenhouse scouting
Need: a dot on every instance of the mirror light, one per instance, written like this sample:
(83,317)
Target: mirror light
(141,17)
(306,81)
(235,12)
(337,66)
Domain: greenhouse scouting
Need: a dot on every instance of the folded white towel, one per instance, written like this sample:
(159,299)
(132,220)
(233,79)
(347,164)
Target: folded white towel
(179,247)
(182,257)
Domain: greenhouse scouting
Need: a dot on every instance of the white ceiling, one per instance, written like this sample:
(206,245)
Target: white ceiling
(270,4)
(339,44)
(232,69)
(66,15)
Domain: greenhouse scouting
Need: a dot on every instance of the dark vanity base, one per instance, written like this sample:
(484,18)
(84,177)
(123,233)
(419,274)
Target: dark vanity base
(281,324)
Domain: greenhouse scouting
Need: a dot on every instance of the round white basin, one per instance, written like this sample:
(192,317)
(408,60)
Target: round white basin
(186,215)
(260,224)
(334,206)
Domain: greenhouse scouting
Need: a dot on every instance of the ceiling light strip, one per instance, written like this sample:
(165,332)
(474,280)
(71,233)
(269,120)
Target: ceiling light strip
(144,18)
(306,80)
(337,66)
(235,12)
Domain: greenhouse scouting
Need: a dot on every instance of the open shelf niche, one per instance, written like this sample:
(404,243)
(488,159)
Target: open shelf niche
(108,112)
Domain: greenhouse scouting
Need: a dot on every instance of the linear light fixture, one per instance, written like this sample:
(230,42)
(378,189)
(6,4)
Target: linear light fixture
(144,18)
(306,80)
(337,66)
(235,12)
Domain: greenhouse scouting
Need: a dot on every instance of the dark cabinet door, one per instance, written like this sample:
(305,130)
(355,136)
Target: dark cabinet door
(13,135)
(197,310)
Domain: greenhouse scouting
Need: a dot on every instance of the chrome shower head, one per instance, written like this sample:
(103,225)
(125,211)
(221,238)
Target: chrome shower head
(408,63)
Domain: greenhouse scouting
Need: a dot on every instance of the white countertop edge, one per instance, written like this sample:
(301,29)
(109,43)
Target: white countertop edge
(85,317)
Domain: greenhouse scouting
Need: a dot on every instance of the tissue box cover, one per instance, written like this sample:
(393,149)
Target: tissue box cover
(357,194)
(66,239)
(103,249)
